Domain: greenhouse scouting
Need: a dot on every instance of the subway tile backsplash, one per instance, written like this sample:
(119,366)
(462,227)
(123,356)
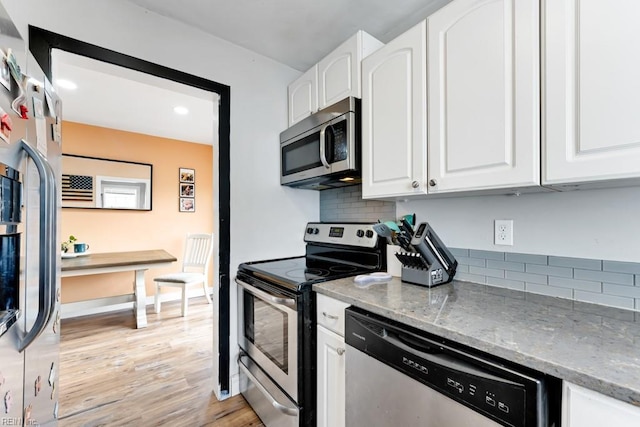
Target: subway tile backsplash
(346,204)
(610,283)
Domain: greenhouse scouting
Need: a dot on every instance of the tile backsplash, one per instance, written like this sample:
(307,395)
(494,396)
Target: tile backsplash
(346,204)
(611,283)
(603,282)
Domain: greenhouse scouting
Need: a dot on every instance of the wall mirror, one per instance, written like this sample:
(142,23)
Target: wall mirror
(94,183)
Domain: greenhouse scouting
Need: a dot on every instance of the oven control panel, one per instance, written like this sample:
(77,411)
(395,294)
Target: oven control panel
(351,234)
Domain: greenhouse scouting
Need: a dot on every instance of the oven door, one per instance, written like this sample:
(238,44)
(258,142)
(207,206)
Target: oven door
(268,332)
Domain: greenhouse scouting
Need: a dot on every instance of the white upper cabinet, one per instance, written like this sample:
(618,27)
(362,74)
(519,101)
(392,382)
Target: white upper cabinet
(303,96)
(394,117)
(484,95)
(334,78)
(339,72)
(592,91)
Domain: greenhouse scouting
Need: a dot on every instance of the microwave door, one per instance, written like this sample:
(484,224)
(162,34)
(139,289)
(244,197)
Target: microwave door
(301,157)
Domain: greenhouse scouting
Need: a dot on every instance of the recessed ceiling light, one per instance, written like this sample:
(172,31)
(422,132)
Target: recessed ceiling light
(181,110)
(66,84)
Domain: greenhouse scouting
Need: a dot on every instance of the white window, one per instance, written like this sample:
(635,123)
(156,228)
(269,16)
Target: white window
(120,193)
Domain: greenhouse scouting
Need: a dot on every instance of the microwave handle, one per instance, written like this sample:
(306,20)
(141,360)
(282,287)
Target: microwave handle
(323,143)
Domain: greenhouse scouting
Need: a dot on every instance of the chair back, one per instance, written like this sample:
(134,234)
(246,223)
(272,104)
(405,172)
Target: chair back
(197,252)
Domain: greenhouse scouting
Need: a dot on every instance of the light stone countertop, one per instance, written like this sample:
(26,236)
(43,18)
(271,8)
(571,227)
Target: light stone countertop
(590,345)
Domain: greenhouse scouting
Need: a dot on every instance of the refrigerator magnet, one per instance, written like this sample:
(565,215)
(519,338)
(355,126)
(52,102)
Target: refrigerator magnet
(38,108)
(5,74)
(5,126)
(52,375)
(8,401)
(27,414)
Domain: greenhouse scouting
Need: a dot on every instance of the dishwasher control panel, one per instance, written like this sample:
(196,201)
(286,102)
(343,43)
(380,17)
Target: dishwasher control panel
(500,393)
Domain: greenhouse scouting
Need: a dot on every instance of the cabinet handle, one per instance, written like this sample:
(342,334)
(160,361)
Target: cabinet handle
(415,184)
(329,316)
(433,182)
(340,351)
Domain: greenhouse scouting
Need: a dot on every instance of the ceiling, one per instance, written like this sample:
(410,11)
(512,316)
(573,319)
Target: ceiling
(297,33)
(129,100)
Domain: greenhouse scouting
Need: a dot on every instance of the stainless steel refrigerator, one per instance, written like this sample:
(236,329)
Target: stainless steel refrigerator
(30,159)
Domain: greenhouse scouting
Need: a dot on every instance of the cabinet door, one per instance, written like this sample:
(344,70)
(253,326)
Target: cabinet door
(303,96)
(484,95)
(586,408)
(339,72)
(331,379)
(394,121)
(592,90)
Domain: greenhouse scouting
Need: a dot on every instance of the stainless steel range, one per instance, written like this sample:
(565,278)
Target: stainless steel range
(276,312)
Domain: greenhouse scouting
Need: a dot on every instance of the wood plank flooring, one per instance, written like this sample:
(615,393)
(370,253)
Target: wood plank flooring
(114,375)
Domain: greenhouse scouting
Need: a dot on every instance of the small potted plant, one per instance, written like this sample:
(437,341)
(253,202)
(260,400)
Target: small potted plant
(68,244)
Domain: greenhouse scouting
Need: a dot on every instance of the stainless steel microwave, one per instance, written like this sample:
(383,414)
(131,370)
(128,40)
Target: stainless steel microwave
(323,150)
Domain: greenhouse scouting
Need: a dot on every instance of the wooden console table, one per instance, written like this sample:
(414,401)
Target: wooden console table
(113,262)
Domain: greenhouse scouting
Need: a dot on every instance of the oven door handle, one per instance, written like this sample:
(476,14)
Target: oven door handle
(277,405)
(266,296)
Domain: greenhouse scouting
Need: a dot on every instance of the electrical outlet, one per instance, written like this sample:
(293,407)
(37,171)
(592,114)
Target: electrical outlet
(503,232)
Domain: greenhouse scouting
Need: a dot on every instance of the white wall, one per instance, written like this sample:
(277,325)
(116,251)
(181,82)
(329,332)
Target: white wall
(599,224)
(267,220)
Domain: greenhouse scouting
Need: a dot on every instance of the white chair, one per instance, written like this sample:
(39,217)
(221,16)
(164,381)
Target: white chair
(195,269)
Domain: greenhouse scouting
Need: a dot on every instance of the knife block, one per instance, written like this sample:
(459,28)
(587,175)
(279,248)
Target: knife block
(416,276)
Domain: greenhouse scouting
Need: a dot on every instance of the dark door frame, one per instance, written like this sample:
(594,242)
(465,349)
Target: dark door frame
(41,42)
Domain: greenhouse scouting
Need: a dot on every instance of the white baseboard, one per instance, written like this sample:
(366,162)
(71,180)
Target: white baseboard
(117,303)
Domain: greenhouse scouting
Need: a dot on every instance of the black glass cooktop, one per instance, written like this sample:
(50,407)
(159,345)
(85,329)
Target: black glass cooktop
(299,272)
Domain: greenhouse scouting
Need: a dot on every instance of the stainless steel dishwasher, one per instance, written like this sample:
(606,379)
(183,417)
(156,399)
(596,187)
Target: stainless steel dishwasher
(399,376)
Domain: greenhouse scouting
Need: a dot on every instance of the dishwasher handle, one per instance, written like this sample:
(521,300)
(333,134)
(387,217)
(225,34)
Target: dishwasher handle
(409,344)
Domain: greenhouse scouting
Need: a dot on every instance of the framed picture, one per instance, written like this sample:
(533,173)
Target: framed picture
(187,190)
(187,204)
(187,175)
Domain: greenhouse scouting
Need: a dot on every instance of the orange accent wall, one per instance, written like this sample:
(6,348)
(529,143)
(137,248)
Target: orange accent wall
(164,227)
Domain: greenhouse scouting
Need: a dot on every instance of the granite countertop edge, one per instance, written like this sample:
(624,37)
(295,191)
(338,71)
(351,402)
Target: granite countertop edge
(577,373)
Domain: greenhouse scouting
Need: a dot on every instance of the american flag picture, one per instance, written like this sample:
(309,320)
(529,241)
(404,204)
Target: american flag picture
(77,187)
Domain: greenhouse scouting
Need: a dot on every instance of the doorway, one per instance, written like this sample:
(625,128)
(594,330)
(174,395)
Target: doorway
(41,44)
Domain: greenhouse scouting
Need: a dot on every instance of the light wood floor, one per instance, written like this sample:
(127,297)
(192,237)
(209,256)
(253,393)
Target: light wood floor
(114,375)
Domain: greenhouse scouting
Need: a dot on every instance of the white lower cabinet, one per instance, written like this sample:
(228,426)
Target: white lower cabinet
(582,407)
(330,362)
(331,379)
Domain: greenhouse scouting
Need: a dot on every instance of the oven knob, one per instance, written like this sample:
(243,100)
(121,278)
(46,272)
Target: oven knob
(360,233)
(369,234)
(309,230)
(316,231)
